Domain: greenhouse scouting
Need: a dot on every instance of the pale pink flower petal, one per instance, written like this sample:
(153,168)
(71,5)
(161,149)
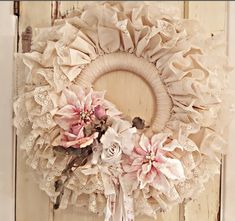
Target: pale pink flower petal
(144,143)
(68,110)
(147,178)
(171,168)
(65,122)
(141,151)
(70,96)
(112,111)
(172,146)
(88,102)
(69,136)
(143,175)
(161,183)
(137,161)
(77,129)
(158,140)
(126,134)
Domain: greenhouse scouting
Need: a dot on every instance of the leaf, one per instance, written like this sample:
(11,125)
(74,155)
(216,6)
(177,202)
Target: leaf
(60,149)
(77,161)
(138,123)
(73,151)
(58,185)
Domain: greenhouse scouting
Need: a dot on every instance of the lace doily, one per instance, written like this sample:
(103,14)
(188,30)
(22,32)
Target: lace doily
(84,152)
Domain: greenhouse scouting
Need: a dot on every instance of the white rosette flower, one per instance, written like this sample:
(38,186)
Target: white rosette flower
(118,139)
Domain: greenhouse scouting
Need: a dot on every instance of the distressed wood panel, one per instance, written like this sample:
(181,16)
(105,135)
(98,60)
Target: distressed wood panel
(206,206)
(229,172)
(176,7)
(33,203)
(213,16)
(8,27)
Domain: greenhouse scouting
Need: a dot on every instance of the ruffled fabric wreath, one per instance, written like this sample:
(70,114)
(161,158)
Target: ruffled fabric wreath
(83,150)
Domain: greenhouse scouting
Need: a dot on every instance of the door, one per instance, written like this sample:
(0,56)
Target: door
(31,203)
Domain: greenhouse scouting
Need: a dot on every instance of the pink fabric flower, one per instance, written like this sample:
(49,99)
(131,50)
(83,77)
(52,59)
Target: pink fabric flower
(79,107)
(151,162)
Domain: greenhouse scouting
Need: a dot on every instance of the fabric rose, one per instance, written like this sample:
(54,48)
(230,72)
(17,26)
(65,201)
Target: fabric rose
(117,139)
(153,164)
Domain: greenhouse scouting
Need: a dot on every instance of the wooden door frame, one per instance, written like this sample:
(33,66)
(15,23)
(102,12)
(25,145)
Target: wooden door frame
(228,178)
(8,24)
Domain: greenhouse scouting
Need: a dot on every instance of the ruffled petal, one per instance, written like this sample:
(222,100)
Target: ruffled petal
(109,137)
(161,183)
(145,143)
(171,168)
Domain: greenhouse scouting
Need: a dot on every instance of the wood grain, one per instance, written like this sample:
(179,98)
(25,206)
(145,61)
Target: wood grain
(129,93)
(8,26)
(213,16)
(32,204)
(229,172)
(35,14)
(206,206)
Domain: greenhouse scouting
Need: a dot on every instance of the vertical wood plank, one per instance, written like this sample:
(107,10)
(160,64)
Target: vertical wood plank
(35,14)
(229,172)
(8,26)
(206,206)
(176,7)
(31,202)
(212,15)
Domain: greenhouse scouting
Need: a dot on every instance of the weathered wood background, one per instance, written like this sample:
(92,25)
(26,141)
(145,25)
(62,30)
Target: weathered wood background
(31,203)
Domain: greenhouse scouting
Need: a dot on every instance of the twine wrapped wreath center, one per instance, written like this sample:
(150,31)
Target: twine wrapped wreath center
(83,149)
(138,66)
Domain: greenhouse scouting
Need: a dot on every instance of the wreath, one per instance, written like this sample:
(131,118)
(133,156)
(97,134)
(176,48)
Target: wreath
(83,149)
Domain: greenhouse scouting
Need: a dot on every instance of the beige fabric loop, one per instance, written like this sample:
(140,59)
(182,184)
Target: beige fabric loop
(139,66)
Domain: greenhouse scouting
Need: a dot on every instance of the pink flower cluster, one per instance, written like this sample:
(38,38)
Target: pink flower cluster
(151,164)
(78,109)
(143,161)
